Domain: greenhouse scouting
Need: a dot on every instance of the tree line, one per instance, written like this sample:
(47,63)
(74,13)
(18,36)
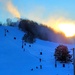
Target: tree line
(41,31)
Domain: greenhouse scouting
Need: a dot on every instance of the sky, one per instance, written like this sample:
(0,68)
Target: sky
(38,10)
(52,13)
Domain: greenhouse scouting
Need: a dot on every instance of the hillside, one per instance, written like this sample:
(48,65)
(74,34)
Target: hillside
(15,60)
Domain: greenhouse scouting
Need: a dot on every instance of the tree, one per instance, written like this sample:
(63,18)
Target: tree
(28,37)
(29,26)
(62,54)
(0,24)
(9,21)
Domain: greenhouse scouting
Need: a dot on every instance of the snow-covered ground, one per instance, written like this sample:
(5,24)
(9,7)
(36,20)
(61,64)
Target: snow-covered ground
(15,60)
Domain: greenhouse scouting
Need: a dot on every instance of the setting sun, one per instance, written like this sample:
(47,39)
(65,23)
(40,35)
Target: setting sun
(67,29)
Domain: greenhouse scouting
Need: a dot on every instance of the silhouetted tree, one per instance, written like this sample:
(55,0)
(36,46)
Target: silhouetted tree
(9,21)
(62,54)
(0,24)
(29,37)
(41,31)
(29,26)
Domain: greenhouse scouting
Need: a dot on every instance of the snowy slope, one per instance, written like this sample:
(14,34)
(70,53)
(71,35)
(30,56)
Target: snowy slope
(15,61)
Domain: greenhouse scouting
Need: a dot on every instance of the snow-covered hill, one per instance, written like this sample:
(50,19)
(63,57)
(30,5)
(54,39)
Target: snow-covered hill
(15,60)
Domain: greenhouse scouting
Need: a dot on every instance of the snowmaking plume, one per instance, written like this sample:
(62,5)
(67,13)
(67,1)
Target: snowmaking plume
(12,9)
(8,6)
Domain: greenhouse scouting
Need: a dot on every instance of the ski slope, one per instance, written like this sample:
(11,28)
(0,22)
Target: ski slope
(15,60)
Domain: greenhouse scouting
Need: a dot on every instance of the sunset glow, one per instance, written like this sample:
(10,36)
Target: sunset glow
(67,29)
(62,24)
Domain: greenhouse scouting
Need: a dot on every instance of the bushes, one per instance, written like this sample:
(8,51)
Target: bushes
(62,54)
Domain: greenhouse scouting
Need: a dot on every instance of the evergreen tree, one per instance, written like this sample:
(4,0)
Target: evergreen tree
(62,54)
(28,37)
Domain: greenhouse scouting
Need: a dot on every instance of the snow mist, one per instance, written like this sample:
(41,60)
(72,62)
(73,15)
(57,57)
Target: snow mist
(12,9)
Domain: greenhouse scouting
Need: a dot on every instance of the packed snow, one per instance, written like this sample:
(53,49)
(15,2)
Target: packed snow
(15,60)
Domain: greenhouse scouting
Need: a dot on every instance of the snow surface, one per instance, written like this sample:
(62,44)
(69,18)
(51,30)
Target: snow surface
(15,60)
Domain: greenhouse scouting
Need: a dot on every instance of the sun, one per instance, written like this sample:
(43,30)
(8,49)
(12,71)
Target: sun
(67,28)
